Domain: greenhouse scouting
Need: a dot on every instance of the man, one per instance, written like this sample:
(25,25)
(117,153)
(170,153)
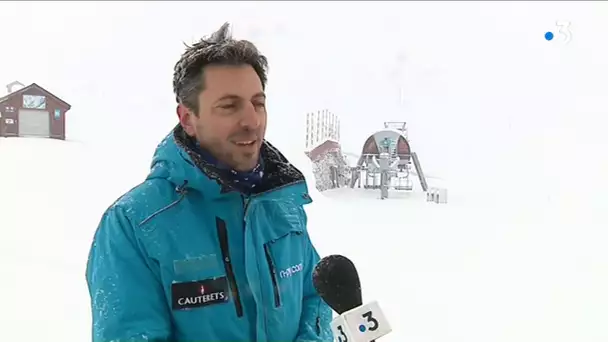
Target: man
(213,245)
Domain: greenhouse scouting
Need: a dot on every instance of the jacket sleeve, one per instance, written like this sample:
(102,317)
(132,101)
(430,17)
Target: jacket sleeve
(127,299)
(316,314)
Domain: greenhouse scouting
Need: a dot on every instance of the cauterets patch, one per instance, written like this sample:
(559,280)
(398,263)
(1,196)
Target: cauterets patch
(200,293)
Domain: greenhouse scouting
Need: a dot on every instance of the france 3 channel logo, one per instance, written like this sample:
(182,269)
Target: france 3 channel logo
(562,30)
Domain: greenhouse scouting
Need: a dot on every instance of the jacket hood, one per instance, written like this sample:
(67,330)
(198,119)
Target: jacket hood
(177,161)
(172,163)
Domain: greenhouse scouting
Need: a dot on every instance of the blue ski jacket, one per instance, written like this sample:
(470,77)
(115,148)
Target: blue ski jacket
(183,257)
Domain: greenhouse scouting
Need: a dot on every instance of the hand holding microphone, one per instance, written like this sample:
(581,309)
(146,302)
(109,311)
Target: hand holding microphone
(337,282)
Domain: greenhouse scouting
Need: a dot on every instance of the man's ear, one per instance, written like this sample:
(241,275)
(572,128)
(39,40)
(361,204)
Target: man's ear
(186,117)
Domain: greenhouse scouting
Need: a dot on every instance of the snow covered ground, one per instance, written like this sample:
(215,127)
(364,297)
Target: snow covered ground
(474,273)
(481,268)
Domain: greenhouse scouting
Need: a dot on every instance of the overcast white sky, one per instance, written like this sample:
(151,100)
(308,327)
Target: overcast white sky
(483,90)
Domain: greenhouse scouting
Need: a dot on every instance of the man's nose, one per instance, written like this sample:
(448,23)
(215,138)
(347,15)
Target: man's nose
(250,118)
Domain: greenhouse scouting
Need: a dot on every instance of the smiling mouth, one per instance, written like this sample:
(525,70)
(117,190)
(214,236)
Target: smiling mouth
(245,143)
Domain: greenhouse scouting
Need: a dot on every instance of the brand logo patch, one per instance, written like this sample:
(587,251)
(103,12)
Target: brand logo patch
(199,293)
(290,271)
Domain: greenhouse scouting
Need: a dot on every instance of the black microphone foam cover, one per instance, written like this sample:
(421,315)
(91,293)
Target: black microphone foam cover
(336,280)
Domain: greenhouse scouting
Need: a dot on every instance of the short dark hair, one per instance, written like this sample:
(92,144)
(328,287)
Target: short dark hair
(219,49)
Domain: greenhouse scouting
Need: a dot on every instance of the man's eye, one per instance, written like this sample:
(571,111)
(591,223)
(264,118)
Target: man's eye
(228,106)
(260,105)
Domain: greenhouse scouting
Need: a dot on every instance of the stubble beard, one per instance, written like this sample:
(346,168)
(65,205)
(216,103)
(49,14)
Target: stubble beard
(223,152)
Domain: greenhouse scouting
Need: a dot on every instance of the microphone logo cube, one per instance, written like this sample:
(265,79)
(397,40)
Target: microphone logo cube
(362,324)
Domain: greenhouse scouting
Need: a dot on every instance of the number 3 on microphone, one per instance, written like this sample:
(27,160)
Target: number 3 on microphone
(370,318)
(364,323)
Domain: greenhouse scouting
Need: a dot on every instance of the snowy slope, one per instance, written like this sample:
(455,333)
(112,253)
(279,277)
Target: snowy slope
(53,195)
(462,272)
(43,245)
(490,268)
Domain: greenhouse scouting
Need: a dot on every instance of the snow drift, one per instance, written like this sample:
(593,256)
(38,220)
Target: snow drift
(44,242)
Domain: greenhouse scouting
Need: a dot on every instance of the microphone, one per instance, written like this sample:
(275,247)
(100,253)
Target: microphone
(337,282)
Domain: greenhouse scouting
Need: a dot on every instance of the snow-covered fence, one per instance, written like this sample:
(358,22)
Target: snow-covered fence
(437,195)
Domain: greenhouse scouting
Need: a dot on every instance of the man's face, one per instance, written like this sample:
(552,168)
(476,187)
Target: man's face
(231,121)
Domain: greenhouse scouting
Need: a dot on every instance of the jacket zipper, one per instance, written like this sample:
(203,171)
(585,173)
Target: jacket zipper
(222,234)
(273,276)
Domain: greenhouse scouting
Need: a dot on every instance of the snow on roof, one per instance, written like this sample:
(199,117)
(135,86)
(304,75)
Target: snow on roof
(396,131)
(321,142)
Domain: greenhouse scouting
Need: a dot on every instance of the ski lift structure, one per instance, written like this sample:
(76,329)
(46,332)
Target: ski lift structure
(388,162)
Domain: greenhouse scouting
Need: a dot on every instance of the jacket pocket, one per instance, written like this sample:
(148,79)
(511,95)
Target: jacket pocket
(283,249)
(273,276)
